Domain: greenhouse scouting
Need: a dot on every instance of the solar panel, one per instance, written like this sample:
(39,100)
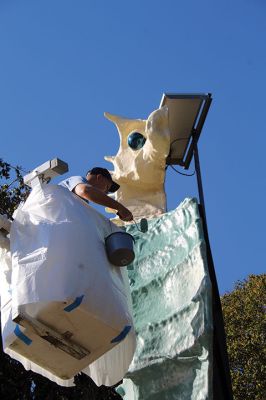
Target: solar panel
(187,113)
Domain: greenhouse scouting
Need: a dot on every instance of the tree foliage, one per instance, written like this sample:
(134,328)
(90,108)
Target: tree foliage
(12,188)
(15,382)
(245,325)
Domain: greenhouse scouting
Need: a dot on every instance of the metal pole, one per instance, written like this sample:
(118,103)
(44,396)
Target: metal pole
(222,386)
(199,180)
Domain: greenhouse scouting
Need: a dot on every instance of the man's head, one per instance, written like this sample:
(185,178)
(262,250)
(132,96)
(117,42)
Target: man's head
(102,180)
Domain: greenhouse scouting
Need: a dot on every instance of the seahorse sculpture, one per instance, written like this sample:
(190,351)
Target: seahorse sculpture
(139,165)
(169,281)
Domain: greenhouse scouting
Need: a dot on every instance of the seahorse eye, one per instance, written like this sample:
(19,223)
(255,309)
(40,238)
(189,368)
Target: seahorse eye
(136,140)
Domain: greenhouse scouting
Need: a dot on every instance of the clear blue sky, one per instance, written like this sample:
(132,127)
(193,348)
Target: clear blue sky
(63,63)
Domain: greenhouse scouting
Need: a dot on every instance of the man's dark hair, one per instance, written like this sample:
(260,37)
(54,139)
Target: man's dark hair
(104,172)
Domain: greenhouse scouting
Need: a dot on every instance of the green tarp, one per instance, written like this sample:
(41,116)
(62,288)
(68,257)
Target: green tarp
(171,294)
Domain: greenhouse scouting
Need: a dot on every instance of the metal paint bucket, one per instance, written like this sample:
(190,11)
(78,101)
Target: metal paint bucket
(119,248)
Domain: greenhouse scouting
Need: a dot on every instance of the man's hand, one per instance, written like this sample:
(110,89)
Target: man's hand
(124,214)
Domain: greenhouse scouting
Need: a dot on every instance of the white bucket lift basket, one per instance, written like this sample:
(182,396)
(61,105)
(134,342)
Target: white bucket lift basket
(65,308)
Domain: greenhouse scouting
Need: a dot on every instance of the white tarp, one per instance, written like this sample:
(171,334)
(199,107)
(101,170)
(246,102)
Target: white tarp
(58,254)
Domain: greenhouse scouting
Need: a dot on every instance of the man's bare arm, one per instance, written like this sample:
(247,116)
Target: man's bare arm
(95,195)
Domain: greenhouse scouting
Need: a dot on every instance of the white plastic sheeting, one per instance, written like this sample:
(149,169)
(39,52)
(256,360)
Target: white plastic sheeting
(59,262)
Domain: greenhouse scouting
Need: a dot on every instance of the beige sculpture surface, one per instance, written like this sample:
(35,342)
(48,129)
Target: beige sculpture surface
(141,172)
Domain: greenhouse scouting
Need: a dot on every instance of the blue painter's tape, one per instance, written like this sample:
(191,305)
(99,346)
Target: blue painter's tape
(122,334)
(75,304)
(21,336)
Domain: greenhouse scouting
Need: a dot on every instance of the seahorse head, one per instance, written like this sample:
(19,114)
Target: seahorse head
(144,146)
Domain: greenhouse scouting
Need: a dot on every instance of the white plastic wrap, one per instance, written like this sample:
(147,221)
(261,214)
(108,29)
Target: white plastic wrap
(59,262)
